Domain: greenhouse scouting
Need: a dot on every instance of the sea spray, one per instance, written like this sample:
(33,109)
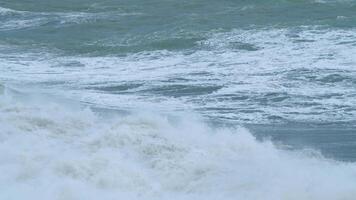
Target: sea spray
(65,154)
(104,98)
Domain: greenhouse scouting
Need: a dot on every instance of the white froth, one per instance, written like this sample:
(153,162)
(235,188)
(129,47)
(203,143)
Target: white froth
(6,11)
(51,151)
(246,63)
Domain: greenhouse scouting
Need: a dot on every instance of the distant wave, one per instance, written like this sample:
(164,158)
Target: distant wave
(8,11)
(51,151)
(27,19)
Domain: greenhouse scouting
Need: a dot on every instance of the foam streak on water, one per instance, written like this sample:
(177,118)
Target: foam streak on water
(245,76)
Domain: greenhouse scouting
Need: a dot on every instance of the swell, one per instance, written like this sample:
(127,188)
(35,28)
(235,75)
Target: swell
(18,20)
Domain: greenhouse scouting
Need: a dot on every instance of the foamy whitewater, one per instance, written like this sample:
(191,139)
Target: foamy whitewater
(203,99)
(50,150)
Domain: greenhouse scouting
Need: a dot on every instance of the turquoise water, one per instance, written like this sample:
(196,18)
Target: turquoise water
(121,27)
(192,99)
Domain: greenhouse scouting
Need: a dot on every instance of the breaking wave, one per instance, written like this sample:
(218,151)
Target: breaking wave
(50,149)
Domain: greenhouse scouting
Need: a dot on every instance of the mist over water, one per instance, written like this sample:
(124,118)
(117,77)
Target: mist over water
(177,99)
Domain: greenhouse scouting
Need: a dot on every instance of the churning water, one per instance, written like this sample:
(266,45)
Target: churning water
(166,99)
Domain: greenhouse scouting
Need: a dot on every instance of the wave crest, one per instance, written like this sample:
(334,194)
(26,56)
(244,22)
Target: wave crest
(73,153)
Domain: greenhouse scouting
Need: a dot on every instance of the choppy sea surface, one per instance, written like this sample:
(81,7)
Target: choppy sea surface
(167,99)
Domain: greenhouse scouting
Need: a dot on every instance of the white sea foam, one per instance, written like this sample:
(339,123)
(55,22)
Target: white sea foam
(6,11)
(250,64)
(53,150)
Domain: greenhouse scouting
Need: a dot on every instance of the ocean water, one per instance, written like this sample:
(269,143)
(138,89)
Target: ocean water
(167,99)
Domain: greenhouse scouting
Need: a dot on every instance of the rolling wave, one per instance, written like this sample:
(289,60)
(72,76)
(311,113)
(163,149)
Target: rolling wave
(72,153)
(142,100)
